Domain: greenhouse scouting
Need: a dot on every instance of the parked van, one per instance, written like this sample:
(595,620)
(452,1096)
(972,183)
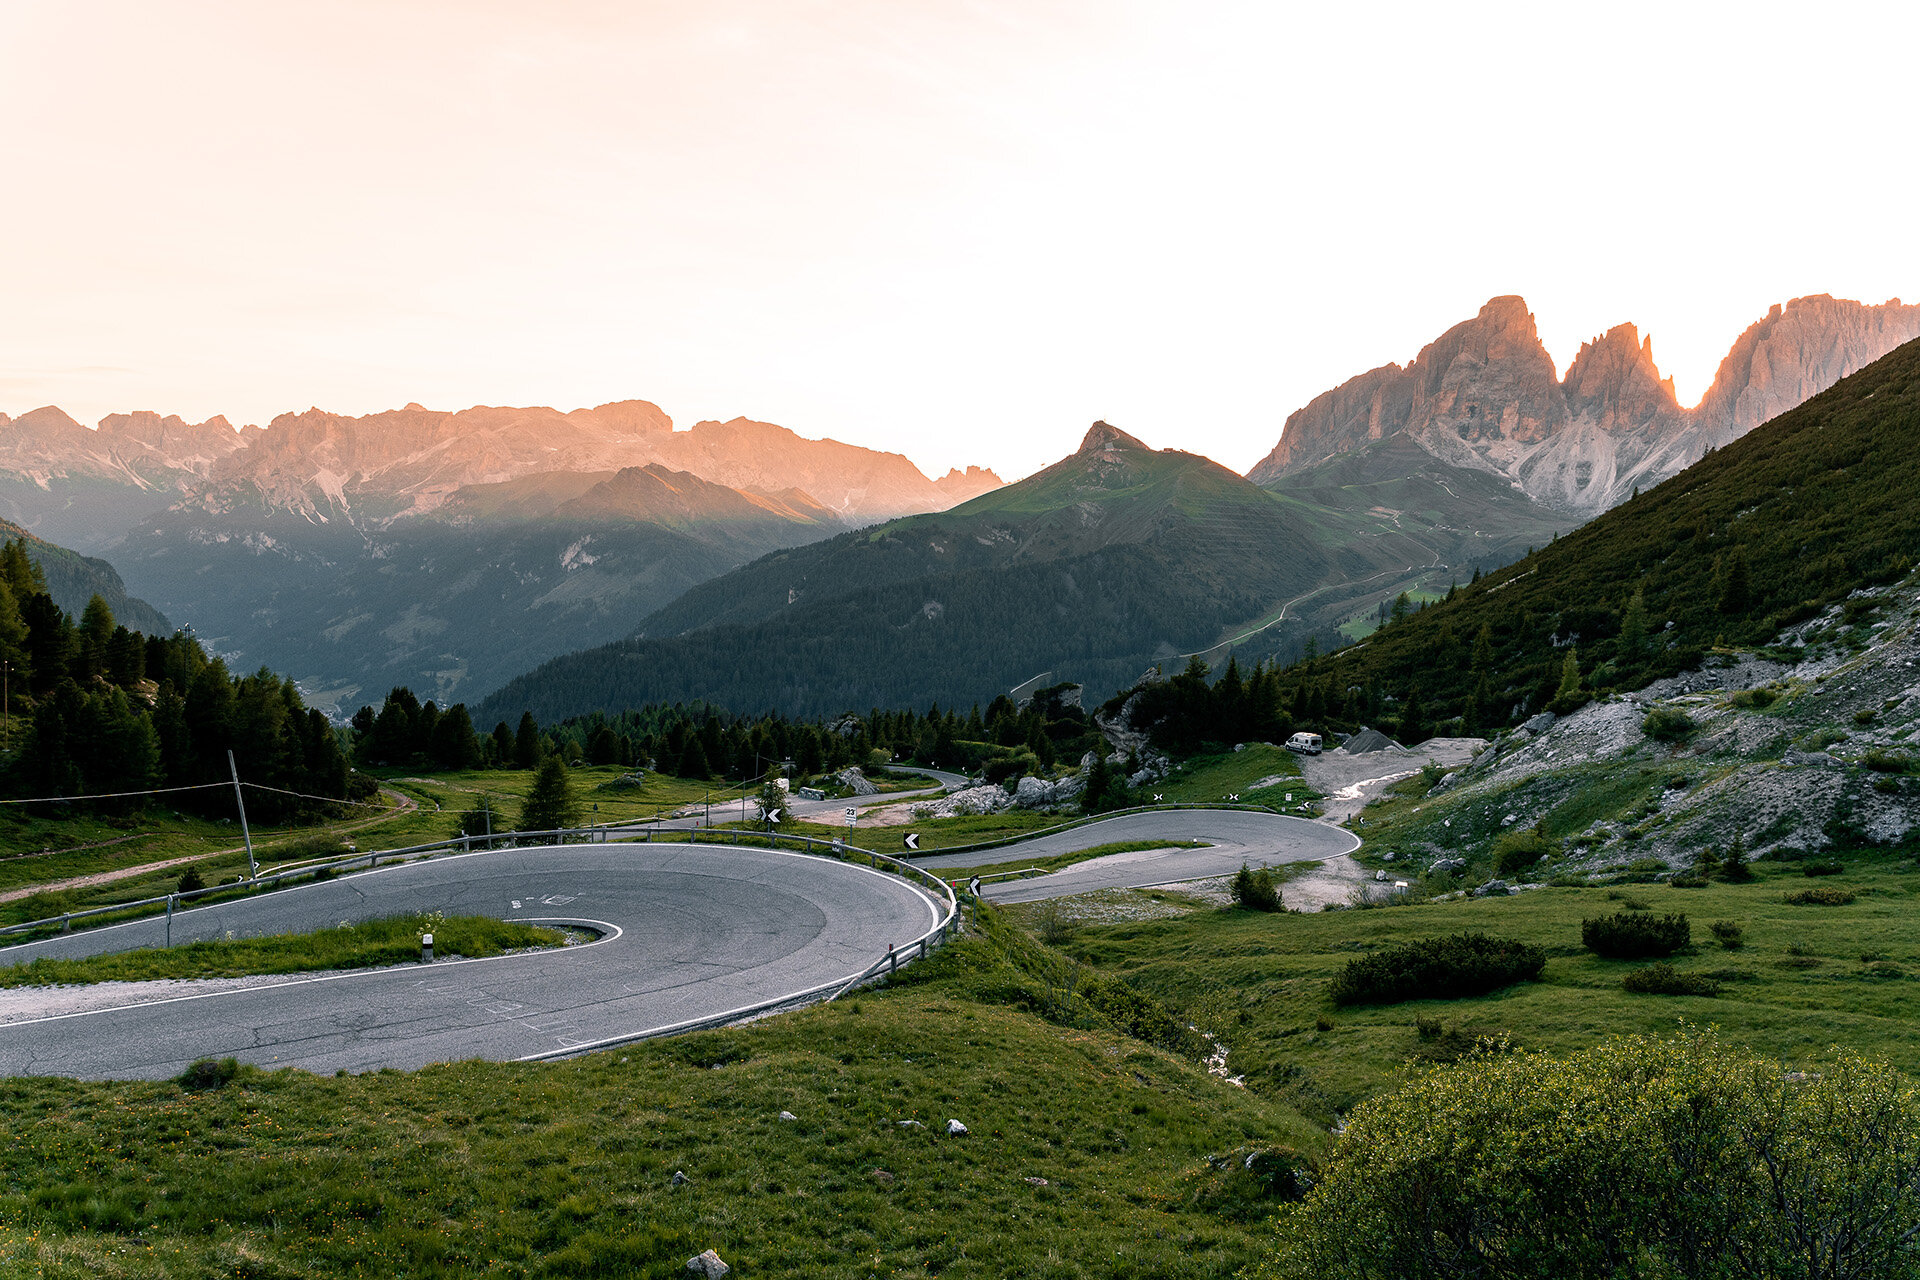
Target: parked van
(1307,744)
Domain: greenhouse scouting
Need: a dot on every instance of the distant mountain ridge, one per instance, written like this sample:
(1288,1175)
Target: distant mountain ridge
(73,580)
(1484,397)
(89,487)
(1115,557)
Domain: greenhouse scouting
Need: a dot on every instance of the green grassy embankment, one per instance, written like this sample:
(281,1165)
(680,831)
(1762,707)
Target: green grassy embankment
(395,940)
(1087,1153)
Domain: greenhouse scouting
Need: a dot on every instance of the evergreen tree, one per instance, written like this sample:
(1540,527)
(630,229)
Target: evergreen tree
(693,760)
(809,758)
(1736,591)
(526,742)
(502,745)
(1633,627)
(1572,693)
(550,803)
(454,744)
(1413,724)
(483,819)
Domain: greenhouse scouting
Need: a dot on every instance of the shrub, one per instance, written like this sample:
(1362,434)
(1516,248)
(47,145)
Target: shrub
(1668,724)
(1882,761)
(1515,851)
(190,880)
(1627,936)
(1821,895)
(1822,869)
(1689,880)
(1687,1157)
(1755,699)
(1467,964)
(1664,980)
(208,1073)
(1255,890)
(1728,934)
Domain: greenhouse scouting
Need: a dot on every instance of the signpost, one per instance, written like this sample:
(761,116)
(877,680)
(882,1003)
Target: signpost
(852,814)
(911,840)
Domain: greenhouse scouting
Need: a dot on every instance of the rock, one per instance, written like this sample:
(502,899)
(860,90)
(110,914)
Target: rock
(911,1124)
(708,1264)
(1540,723)
(1069,787)
(856,781)
(1493,889)
(1388,857)
(1087,761)
(788,1115)
(1448,867)
(955,1129)
(972,800)
(680,1179)
(882,1177)
(1510,819)
(1032,793)
(1379,875)
(1035,1182)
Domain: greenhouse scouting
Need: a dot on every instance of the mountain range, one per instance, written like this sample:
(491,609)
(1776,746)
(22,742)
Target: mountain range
(1115,557)
(1484,397)
(445,551)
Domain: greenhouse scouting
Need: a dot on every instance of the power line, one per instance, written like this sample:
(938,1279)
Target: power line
(258,786)
(120,795)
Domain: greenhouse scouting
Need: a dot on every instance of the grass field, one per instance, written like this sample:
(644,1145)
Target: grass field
(567,1169)
(1807,977)
(1211,779)
(395,940)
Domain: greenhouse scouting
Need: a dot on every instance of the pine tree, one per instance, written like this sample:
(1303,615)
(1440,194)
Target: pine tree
(1633,626)
(1572,693)
(550,803)
(1736,592)
(526,742)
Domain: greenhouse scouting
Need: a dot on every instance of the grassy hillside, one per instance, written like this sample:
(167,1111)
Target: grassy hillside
(1087,1154)
(1798,514)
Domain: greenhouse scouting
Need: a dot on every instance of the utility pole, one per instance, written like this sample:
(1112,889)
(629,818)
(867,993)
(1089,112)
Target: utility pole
(253,868)
(6,705)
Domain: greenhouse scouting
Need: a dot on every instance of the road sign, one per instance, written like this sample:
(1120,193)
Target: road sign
(911,840)
(1157,797)
(773,815)
(852,813)
(1233,795)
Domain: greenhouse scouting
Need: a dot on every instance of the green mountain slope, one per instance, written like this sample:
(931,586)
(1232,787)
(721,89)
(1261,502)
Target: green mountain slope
(74,579)
(1801,512)
(1113,558)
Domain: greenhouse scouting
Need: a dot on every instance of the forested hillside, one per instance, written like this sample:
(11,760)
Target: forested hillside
(1116,557)
(1787,520)
(73,579)
(94,707)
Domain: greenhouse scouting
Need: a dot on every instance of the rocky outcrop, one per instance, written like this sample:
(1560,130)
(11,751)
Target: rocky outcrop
(1485,397)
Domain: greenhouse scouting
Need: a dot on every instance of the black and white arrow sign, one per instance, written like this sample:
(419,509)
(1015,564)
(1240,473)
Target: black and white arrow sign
(1157,797)
(773,815)
(911,839)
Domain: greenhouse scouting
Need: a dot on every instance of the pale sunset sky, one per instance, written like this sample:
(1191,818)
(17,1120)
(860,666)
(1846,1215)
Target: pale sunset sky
(961,231)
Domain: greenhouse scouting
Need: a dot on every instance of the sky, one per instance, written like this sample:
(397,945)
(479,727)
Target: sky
(962,231)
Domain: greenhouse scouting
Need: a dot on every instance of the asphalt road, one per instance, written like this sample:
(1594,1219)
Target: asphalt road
(832,812)
(1235,836)
(689,932)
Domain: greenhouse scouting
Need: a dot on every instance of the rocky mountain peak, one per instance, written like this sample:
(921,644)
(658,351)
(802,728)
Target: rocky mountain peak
(1614,382)
(1103,437)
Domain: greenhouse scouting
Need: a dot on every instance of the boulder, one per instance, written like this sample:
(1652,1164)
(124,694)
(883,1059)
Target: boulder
(1493,889)
(708,1264)
(1069,787)
(1032,793)
(680,1179)
(1540,723)
(788,1115)
(856,781)
(955,1129)
(1448,867)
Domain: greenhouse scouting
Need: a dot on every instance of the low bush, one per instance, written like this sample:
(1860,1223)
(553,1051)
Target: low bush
(1755,699)
(1728,934)
(1822,869)
(1821,895)
(1515,851)
(1689,880)
(1255,890)
(1689,1157)
(1664,980)
(1668,724)
(1628,936)
(1881,761)
(1467,964)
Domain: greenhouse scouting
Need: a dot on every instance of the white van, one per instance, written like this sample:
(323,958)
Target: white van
(1307,744)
